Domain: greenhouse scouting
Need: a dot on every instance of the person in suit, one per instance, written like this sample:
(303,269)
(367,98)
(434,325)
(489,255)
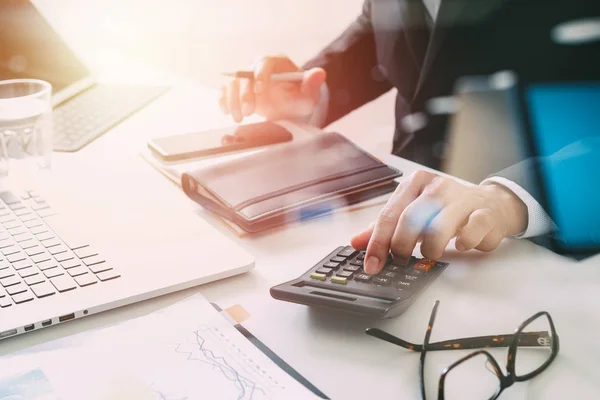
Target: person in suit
(421,47)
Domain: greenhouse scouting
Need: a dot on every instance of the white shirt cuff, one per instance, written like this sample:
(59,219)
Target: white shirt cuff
(320,114)
(538,221)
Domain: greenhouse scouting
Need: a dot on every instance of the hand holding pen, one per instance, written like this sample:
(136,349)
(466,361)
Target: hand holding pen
(275,89)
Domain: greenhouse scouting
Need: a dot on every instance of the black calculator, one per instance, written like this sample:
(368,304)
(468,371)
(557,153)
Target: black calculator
(339,281)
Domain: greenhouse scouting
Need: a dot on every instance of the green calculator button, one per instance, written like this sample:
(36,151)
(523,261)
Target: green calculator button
(316,275)
(339,279)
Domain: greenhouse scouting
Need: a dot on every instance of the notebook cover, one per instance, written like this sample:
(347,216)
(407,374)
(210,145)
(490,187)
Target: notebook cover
(289,181)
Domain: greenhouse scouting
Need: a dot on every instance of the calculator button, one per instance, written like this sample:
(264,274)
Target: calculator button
(402,284)
(337,259)
(344,274)
(427,261)
(422,267)
(331,265)
(320,277)
(357,263)
(415,272)
(324,271)
(410,277)
(361,256)
(363,277)
(388,274)
(351,268)
(339,279)
(347,251)
(393,268)
(382,281)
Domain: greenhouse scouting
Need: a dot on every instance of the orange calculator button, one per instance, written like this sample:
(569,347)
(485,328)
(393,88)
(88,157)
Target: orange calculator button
(427,261)
(422,267)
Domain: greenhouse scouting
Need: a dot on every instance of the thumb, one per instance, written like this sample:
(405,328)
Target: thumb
(360,241)
(312,82)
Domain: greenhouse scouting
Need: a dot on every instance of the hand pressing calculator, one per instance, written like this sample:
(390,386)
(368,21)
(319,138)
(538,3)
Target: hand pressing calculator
(338,281)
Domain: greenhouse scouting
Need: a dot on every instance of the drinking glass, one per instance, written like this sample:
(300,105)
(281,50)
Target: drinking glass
(25,128)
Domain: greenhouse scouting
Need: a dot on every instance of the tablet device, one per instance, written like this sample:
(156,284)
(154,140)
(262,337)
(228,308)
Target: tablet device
(562,120)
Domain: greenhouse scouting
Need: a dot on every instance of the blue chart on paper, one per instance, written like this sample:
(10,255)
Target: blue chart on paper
(185,352)
(209,354)
(246,386)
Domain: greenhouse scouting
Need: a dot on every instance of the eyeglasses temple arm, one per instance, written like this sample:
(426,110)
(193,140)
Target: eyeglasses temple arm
(526,339)
(379,334)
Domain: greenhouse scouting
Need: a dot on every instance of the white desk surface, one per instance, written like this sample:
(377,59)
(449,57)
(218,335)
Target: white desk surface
(481,294)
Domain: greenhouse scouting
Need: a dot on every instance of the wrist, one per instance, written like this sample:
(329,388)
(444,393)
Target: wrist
(513,209)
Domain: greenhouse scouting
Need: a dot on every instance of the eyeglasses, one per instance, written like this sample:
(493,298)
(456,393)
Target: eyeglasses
(537,333)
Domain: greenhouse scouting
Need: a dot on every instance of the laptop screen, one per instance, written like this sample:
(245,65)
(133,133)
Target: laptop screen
(565,124)
(30,48)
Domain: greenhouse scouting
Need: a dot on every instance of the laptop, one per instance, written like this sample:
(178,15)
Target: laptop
(114,238)
(84,109)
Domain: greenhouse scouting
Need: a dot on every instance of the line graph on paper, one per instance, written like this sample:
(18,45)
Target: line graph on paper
(207,358)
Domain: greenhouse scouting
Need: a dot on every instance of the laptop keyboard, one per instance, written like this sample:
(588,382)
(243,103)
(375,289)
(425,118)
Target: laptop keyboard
(91,113)
(35,262)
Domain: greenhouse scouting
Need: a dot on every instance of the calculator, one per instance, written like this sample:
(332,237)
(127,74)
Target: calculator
(339,282)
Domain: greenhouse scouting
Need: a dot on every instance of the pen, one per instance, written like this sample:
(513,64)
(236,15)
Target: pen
(281,77)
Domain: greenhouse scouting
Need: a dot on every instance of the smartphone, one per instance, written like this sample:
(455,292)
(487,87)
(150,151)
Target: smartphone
(188,146)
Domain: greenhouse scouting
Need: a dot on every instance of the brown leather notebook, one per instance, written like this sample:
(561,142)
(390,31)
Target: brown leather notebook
(290,182)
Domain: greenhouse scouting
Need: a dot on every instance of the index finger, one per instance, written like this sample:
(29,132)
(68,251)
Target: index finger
(385,226)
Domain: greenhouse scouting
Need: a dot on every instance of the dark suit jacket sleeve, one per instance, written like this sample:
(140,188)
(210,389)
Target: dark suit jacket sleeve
(351,65)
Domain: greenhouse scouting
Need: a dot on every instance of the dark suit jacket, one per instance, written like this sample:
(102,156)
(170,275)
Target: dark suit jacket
(393,44)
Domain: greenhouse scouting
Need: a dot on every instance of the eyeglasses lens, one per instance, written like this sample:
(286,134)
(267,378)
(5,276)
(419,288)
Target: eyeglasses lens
(473,379)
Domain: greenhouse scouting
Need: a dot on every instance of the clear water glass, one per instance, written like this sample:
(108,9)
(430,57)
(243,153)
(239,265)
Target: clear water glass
(25,128)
